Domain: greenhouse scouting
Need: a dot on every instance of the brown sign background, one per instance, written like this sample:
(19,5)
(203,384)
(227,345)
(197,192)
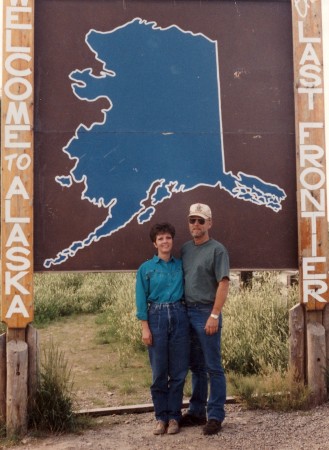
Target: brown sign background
(257,106)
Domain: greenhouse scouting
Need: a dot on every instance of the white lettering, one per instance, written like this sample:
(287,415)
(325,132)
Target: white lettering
(312,171)
(305,71)
(13,19)
(11,135)
(305,134)
(13,254)
(19,82)
(16,72)
(309,54)
(10,219)
(314,292)
(17,235)
(17,188)
(310,95)
(301,37)
(10,48)
(311,153)
(17,307)
(319,205)
(13,281)
(22,163)
(17,114)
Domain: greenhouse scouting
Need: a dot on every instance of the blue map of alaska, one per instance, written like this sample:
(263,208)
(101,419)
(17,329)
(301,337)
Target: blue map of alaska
(161,133)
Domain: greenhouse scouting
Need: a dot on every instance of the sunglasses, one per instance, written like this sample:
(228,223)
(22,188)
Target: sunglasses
(200,220)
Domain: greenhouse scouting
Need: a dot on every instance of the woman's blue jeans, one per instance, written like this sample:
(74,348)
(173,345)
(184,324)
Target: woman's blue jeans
(206,362)
(169,357)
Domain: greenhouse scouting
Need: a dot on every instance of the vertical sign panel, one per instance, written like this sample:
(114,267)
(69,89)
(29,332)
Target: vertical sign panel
(17,164)
(310,142)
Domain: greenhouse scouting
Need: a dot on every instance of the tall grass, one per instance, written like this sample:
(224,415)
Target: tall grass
(256,327)
(255,332)
(52,409)
(255,321)
(254,338)
(59,295)
(119,320)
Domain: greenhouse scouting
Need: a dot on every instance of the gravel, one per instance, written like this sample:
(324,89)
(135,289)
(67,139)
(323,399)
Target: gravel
(242,429)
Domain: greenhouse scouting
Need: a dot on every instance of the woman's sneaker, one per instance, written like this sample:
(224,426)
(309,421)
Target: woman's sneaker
(160,427)
(173,427)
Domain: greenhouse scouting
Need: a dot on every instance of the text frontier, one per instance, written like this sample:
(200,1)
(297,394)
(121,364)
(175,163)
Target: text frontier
(312,176)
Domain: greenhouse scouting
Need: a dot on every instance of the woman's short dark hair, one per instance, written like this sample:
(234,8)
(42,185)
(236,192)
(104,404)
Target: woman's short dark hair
(160,228)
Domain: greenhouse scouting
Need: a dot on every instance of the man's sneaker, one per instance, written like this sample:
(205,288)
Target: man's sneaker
(189,420)
(213,426)
(160,427)
(173,427)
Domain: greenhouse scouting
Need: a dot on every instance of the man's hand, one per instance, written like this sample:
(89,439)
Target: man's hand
(211,326)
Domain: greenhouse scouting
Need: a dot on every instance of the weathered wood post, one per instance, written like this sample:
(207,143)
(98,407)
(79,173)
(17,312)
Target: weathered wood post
(17,202)
(3,377)
(311,187)
(297,342)
(17,369)
(316,375)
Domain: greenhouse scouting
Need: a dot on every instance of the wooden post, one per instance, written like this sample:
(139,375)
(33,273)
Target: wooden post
(316,362)
(17,148)
(325,321)
(3,382)
(32,339)
(311,181)
(297,358)
(17,373)
(246,279)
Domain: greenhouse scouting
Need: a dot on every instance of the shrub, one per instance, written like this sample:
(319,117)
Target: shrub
(256,326)
(52,409)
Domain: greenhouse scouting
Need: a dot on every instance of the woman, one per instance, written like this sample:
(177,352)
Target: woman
(165,327)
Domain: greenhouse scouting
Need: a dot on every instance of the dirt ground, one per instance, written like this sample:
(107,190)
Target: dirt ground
(245,430)
(99,387)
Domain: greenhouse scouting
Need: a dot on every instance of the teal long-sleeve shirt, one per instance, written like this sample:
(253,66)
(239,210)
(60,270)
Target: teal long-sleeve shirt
(158,281)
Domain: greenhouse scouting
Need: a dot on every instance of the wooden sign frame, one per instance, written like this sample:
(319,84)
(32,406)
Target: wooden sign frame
(17,163)
(17,158)
(311,153)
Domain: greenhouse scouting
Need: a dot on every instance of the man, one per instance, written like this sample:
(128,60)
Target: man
(206,274)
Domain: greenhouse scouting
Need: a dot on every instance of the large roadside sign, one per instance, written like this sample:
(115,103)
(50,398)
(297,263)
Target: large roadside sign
(117,115)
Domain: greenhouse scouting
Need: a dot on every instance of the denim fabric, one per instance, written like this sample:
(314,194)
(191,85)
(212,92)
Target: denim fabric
(206,362)
(169,357)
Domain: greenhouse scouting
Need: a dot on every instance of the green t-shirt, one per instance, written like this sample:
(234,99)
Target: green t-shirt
(204,266)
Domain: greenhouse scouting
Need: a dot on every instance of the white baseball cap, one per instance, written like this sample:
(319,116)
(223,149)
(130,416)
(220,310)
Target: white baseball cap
(200,210)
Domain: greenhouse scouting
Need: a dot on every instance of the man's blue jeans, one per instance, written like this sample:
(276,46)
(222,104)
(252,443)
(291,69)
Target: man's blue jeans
(169,357)
(206,360)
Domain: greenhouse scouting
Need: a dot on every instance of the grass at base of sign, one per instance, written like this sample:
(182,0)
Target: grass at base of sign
(255,324)
(270,390)
(254,340)
(64,294)
(255,321)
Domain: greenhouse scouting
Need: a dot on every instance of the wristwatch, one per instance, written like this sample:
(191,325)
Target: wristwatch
(214,316)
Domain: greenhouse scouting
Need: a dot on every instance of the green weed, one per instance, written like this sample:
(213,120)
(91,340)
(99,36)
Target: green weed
(256,326)
(270,390)
(52,409)
(60,295)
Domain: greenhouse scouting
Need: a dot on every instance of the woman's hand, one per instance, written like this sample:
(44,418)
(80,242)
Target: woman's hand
(146,333)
